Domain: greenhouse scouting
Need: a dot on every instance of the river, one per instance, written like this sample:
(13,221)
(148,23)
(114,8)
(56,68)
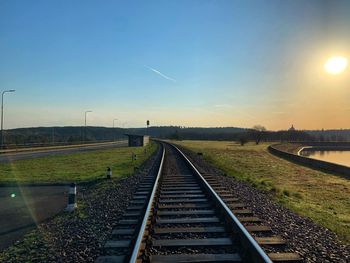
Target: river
(339,157)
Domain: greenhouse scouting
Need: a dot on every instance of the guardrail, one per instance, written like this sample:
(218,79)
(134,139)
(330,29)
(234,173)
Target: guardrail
(48,144)
(69,146)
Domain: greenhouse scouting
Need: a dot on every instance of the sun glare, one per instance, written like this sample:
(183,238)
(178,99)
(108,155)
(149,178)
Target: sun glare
(336,65)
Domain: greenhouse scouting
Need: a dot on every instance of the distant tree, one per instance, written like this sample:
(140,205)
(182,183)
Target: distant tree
(73,139)
(340,138)
(258,133)
(259,128)
(243,139)
(175,135)
(321,138)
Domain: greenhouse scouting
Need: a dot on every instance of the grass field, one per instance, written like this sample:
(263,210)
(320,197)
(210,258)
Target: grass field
(76,167)
(323,197)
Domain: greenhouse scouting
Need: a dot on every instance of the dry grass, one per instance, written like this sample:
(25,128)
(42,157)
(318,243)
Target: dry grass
(323,197)
(289,147)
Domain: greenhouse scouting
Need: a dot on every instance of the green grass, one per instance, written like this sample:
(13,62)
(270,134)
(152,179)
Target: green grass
(76,167)
(323,197)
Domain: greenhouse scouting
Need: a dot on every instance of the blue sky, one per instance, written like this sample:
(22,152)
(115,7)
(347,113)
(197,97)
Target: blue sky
(192,63)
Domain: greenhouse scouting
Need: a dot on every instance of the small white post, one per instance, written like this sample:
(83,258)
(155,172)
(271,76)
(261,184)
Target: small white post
(72,198)
(109,173)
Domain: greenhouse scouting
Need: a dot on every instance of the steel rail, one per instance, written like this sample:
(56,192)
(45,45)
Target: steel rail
(138,242)
(258,251)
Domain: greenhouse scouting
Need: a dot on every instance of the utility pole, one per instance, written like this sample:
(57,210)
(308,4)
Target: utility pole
(113,129)
(53,135)
(2,115)
(84,139)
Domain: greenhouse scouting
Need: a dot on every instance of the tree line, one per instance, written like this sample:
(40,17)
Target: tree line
(74,134)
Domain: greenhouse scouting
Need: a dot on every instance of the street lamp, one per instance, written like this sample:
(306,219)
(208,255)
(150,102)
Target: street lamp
(2,115)
(113,129)
(86,112)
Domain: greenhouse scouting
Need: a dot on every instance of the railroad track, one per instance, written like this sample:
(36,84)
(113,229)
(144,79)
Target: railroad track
(181,215)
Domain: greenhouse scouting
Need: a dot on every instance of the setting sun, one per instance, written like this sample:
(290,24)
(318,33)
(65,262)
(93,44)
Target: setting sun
(336,65)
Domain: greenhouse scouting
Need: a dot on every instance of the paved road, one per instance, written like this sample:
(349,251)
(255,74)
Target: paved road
(10,157)
(30,205)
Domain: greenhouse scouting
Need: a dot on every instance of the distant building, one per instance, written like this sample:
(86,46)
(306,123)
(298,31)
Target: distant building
(137,140)
(291,128)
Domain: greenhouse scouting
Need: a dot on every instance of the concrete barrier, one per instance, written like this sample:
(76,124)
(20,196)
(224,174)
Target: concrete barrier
(312,163)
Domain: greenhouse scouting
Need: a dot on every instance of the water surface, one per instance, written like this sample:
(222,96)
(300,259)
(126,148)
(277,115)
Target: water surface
(339,157)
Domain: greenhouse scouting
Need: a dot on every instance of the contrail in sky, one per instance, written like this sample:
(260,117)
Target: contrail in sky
(161,74)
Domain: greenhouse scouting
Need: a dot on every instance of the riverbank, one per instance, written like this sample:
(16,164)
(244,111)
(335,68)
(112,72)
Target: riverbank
(322,165)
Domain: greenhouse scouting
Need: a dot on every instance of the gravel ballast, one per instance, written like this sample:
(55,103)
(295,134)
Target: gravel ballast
(174,165)
(313,242)
(79,236)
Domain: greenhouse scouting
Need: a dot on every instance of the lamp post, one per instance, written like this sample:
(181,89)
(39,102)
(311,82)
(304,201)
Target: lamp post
(2,115)
(53,135)
(86,112)
(113,129)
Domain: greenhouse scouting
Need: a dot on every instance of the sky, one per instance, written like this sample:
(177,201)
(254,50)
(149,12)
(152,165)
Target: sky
(189,63)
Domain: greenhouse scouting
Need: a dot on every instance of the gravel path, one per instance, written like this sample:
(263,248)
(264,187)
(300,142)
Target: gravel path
(311,241)
(78,237)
